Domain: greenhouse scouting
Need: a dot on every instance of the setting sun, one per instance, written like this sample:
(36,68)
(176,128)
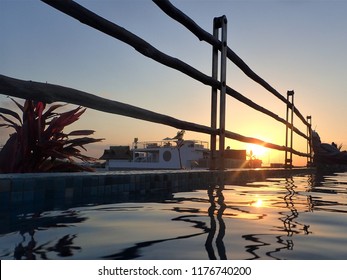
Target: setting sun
(256,150)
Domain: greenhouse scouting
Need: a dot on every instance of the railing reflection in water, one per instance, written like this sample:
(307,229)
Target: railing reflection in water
(289,219)
(216,193)
(209,214)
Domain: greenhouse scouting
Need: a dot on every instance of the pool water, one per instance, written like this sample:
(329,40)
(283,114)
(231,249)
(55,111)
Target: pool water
(303,217)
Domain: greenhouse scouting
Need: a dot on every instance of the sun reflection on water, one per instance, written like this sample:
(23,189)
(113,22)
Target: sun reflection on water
(287,218)
(258,203)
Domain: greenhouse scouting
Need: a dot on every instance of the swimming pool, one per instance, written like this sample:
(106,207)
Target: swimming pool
(300,217)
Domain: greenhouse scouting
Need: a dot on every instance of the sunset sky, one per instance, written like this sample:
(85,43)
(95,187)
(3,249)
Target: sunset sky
(294,45)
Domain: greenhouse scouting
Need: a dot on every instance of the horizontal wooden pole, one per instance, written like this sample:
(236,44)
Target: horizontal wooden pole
(203,35)
(93,20)
(241,138)
(49,93)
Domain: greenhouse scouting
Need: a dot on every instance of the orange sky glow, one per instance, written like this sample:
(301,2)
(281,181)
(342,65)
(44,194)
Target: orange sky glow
(299,45)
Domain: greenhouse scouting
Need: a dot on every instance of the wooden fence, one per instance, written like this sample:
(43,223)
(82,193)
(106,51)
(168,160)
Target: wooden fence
(51,93)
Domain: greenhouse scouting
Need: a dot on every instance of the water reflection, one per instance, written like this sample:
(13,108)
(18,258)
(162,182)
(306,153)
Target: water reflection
(216,192)
(192,216)
(135,252)
(275,219)
(31,249)
(290,225)
(252,248)
(322,189)
(64,248)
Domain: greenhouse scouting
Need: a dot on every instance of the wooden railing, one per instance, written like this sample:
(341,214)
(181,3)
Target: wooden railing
(50,93)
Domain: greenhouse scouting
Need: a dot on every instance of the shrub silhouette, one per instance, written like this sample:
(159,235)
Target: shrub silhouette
(39,143)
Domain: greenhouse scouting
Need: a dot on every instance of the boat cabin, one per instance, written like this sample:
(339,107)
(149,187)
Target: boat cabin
(166,154)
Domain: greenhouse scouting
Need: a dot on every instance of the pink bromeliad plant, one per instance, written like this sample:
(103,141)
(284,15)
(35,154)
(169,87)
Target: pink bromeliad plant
(39,143)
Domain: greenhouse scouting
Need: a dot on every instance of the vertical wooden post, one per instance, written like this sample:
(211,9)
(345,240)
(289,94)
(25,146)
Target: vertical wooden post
(309,141)
(222,104)
(219,23)
(214,98)
(290,111)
